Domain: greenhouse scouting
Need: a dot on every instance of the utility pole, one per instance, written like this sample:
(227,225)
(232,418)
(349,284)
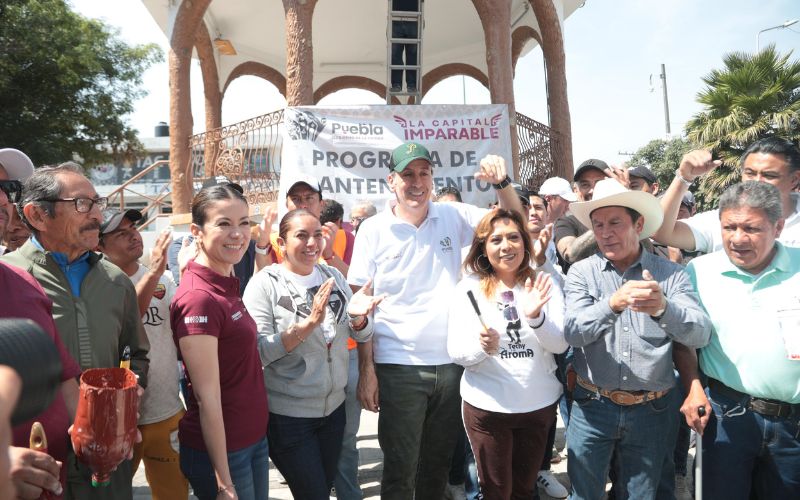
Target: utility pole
(666,102)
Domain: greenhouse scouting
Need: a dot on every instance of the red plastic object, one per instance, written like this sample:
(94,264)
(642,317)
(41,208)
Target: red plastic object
(105,424)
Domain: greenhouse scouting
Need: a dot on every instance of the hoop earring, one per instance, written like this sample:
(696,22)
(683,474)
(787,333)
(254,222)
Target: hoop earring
(478,263)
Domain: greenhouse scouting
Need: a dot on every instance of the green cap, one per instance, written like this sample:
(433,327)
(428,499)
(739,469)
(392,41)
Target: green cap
(408,152)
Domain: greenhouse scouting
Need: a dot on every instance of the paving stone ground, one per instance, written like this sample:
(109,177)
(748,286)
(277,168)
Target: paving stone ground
(370,468)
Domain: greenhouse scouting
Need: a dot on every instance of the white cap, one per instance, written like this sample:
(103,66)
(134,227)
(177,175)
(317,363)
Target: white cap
(16,164)
(288,183)
(556,186)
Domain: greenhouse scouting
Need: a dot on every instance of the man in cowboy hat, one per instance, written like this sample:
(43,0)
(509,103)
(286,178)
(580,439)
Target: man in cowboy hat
(625,307)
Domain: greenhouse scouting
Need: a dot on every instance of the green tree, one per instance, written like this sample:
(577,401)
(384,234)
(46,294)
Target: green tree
(67,84)
(753,96)
(662,156)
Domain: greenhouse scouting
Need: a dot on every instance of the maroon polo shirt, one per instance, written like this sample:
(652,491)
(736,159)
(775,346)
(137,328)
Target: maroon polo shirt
(207,303)
(23,297)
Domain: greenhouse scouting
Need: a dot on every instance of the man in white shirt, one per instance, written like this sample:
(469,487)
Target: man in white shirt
(161,408)
(412,252)
(772,159)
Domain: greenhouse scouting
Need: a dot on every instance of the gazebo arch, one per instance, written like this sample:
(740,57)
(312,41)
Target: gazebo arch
(439,73)
(520,37)
(260,70)
(350,82)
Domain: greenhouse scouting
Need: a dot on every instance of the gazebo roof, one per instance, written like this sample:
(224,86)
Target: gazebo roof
(349,37)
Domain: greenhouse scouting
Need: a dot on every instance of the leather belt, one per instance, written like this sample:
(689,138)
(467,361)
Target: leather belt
(762,406)
(620,397)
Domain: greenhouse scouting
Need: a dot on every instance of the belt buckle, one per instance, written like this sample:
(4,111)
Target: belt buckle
(622,398)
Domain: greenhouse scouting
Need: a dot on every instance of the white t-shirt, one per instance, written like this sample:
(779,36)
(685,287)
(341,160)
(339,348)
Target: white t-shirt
(521,376)
(418,269)
(708,232)
(161,399)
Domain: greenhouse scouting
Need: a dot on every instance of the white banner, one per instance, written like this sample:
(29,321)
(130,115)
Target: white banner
(348,149)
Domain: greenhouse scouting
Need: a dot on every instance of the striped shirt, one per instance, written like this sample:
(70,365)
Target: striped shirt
(631,350)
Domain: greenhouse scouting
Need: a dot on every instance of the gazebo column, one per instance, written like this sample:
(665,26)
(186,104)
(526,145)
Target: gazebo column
(299,52)
(211,92)
(187,18)
(495,16)
(555,62)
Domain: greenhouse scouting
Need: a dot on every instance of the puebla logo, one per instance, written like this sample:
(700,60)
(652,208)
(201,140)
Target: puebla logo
(305,125)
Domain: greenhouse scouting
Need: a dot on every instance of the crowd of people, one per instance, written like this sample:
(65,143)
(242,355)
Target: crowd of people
(467,329)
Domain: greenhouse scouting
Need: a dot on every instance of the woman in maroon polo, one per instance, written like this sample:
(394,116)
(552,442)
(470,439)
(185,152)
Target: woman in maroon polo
(223,447)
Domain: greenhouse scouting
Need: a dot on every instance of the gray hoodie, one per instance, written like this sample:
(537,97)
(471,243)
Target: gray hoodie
(308,382)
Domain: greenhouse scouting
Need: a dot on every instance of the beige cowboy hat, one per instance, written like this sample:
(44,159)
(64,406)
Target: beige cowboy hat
(610,193)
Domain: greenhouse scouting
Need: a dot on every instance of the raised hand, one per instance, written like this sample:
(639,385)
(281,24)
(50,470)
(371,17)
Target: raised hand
(540,245)
(696,163)
(537,294)
(329,230)
(363,302)
(620,173)
(492,169)
(158,254)
(188,252)
(265,226)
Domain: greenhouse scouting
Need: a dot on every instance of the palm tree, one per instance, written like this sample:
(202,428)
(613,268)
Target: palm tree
(754,96)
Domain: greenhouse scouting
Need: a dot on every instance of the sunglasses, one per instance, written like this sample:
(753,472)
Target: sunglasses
(12,189)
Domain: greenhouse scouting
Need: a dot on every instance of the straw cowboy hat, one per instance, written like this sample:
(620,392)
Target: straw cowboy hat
(610,193)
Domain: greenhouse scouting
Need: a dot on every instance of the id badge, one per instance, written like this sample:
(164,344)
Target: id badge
(789,321)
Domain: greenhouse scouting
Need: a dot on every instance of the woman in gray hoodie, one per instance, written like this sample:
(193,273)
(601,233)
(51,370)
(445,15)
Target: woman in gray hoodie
(305,311)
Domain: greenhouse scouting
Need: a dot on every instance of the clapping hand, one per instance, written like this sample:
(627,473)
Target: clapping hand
(540,245)
(537,294)
(643,295)
(363,302)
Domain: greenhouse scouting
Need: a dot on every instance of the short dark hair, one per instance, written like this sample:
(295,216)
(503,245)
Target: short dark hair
(332,211)
(448,190)
(207,196)
(774,145)
(540,196)
(753,194)
(44,185)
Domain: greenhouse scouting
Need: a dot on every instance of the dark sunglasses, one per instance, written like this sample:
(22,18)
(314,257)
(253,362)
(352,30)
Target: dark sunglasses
(12,189)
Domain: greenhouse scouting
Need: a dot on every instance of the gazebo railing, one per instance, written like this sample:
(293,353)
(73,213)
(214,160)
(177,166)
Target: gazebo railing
(539,146)
(248,153)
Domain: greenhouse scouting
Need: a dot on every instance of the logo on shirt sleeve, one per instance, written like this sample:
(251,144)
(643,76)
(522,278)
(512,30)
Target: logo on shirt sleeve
(447,244)
(193,320)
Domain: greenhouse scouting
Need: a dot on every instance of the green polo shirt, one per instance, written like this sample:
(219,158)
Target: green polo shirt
(748,348)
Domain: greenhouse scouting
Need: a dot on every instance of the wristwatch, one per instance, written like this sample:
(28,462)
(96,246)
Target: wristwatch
(505,182)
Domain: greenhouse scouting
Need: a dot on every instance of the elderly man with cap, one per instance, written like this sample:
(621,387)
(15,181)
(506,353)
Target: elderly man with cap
(557,195)
(161,408)
(412,253)
(15,168)
(94,303)
(625,307)
(752,294)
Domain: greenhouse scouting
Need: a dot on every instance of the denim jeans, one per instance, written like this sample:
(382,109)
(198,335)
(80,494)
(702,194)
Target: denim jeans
(417,428)
(306,451)
(637,434)
(346,482)
(249,468)
(744,450)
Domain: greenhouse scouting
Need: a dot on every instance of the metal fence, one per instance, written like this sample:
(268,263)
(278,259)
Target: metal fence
(249,153)
(539,146)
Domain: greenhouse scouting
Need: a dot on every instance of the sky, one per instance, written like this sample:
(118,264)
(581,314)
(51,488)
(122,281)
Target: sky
(614,51)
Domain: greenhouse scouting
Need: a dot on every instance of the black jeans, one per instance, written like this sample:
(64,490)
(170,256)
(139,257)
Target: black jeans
(404,29)
(306,451)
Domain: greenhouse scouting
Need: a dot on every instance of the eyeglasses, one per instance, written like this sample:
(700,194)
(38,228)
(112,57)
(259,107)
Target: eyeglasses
(83,205)
(12,189)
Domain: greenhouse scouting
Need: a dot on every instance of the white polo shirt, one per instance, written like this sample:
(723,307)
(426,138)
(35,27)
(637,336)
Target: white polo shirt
(418,269)
(708,232)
